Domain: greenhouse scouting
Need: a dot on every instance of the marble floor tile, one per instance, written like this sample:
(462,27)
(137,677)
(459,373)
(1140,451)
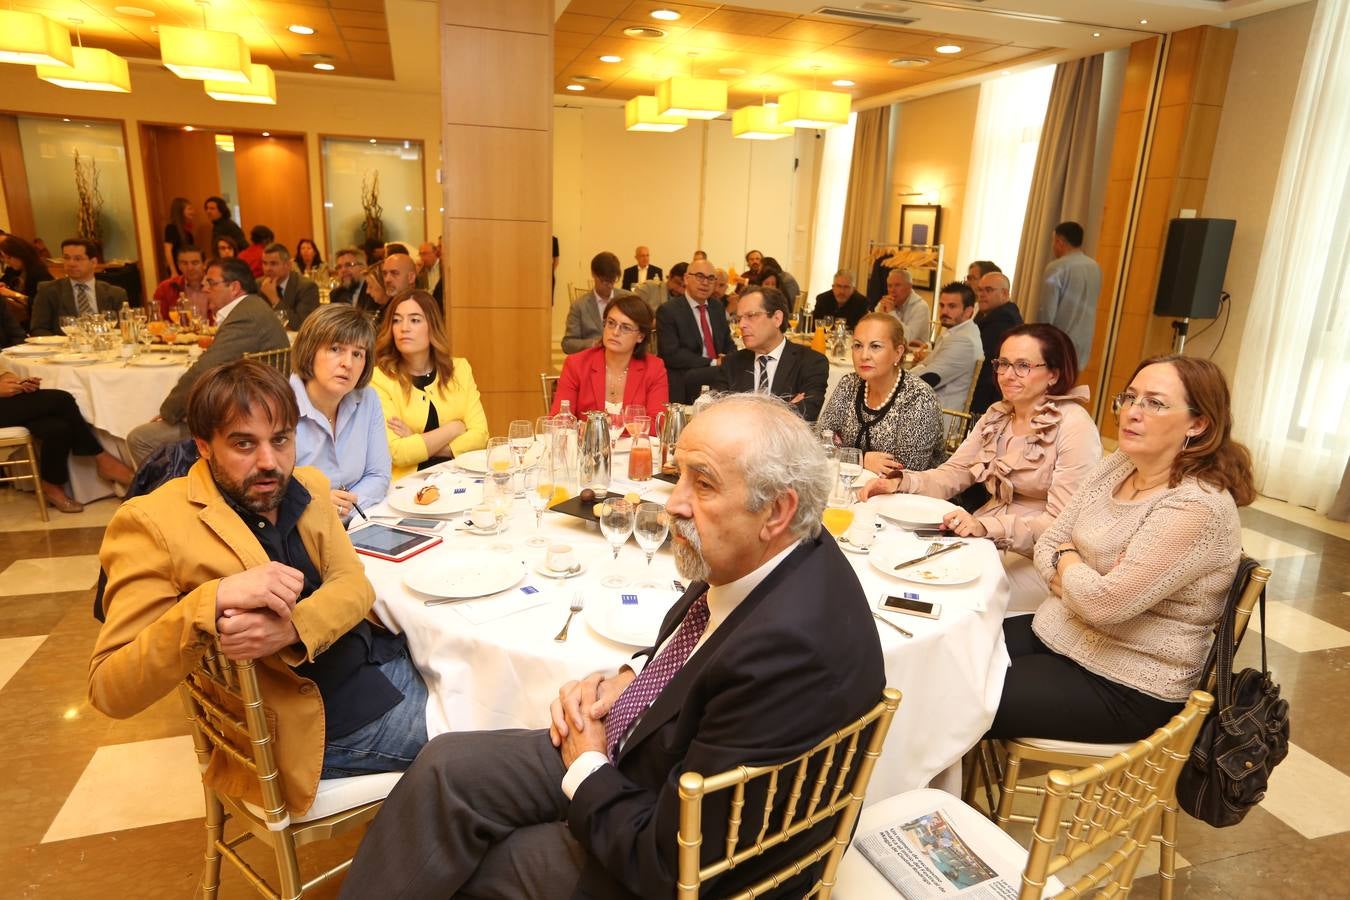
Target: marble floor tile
(1308,795)
(1265,548)
(1303,516)
(19,512)
(1298,630)
(132,786)
(49,575)
(14,652)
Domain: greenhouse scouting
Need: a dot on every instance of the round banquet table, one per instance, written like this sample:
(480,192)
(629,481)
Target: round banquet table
(492,662)
(112,396)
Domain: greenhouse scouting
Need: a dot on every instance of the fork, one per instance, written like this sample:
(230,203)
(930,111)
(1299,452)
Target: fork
(576,608)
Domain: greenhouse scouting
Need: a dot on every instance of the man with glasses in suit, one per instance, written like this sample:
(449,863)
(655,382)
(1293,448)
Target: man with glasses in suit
(770,363)
(693,334)
(78,294)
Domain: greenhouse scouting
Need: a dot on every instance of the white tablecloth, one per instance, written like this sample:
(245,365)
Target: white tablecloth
(504,673)
(112,397)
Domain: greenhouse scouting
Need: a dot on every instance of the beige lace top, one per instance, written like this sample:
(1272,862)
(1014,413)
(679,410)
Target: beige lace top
(1140,608)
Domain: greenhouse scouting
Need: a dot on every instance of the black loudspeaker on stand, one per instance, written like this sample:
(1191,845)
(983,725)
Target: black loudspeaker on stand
(1190,281)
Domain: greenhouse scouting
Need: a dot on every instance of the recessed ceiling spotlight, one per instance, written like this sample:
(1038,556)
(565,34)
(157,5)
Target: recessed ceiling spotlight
(643,31)
(665,15)
(1143,21)
(905,62)
(372,140)
(267,134)
(188,128)
(947,48)
(325,67)
(65,120)
(300,29)
(842,82)
(576,87)
(1006,72)
(586,79)
(731,71)
(1096,34)
(611,58)
(134,11)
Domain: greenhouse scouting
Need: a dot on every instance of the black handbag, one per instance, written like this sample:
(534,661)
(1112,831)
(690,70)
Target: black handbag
(1246,733)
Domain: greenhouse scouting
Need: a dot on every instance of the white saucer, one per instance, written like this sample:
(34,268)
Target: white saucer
(539,566)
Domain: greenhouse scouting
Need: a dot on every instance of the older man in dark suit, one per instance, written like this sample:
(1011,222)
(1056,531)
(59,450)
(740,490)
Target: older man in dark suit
(286,289)
(643,271)
(76,294)
(693,334)
(247,324)
(771,364)
(772,648)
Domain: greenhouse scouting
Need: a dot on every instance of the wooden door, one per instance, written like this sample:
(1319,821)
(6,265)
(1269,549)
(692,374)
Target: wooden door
(179,164)
(273,177)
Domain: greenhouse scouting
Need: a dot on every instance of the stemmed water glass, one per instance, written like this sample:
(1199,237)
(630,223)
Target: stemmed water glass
(520,434)
(850,469)
(616,524)
(635,418)
(538,482)
(497,496)
(616,429)
(651,524)
(499,455)
(70,325)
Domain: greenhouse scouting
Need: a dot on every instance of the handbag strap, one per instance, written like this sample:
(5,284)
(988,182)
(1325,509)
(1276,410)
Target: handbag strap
(1220,659)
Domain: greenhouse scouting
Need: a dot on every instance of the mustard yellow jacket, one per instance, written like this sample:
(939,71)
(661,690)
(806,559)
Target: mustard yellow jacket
(165,554)
(458,400)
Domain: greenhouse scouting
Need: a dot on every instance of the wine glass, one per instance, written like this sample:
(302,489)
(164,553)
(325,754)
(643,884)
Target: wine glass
(651,524)
(538,482)
(497,495)
(499,454)
(616,429)
(70,325)
(850,469)
(616,524)
(632,413)
(541,433)
(520,433)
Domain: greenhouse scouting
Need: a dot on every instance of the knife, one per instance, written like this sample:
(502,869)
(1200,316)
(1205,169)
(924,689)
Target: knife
(918,559)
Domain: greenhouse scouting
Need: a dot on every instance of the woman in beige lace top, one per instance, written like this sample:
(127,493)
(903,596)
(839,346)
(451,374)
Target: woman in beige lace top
(1031,450)
(1139,565)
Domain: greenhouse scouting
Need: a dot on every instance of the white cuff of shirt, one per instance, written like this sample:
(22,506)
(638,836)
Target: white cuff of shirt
(581,769)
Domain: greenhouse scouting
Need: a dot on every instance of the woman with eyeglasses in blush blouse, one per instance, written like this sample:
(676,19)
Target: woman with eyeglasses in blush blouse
(618,371)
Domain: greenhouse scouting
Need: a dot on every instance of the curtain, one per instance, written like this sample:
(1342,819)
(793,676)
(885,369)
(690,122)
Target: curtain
(1003,156)
(1061,187)
(835,162)
(1293,374)
(868,186)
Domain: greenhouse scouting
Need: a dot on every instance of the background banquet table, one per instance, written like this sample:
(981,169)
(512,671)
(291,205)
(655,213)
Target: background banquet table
(492,662)
(112,397)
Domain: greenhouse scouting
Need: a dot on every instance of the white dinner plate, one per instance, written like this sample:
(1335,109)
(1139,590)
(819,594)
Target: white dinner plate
(629,616)
(47,339)
(155,360)
(476,460)
(912,510)
(951,568)
(74,359)
(30,350)
(460,576)
(455,497)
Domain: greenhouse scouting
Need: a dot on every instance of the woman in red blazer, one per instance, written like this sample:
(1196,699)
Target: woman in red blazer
(619,370)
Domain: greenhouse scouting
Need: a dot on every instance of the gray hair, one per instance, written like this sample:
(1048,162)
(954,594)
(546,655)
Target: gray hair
(352,251)
(846,275)
(280,249)
(783,455)
(902,272)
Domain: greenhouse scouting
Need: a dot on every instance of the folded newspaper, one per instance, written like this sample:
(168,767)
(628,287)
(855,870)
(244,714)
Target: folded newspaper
(926,856)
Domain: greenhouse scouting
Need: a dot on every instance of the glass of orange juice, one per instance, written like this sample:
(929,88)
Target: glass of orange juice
(837,518)
(499,454)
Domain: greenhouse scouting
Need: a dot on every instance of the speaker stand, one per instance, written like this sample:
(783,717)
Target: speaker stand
(1180,328)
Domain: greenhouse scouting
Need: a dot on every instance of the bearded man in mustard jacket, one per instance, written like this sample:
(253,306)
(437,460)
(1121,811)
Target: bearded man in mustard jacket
(236,552)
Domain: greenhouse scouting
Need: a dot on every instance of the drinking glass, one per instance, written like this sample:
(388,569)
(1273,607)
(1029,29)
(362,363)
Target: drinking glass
(616,429)
(520,434)
(497,495)
(541,433)
(837,517)
(145,335)
(616,524)
(640,459)
(539,491)
(850,469)
(70,325)
(499,454)
(632,413)
(651,524)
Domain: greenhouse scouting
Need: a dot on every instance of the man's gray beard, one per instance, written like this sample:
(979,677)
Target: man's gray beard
(239,492)
(689,561)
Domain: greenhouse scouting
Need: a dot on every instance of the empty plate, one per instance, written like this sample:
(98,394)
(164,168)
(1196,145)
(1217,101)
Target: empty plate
(631,617)
(912,510)
(459,576)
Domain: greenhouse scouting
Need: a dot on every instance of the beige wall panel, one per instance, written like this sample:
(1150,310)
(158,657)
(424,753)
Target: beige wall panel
(506,15)
(1197,150)
(1211,81)
(507,347)
(497,173)
(523,100)
(1154,211)
(1188,193)
(488,269)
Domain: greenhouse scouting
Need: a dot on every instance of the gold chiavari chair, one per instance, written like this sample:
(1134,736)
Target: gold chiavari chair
(1016,751)
(226,712)
(1109,809)
(548,384)
(10,439)
(276,359)
(836,792)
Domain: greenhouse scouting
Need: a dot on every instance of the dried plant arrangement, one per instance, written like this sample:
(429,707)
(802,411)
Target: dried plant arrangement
(373,225)
(89,212)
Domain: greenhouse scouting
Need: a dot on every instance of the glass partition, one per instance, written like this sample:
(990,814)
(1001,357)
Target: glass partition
(373,188)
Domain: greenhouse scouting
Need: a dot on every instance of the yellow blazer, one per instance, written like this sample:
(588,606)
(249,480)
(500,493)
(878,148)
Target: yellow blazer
(459,400)
(165,554)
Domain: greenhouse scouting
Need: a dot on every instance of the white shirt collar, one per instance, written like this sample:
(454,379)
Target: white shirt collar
(723,599)
(776,354)
(90,282)
(224,312)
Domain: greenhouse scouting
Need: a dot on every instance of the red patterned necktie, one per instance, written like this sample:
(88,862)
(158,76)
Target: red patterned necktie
(709,350)
(644,689)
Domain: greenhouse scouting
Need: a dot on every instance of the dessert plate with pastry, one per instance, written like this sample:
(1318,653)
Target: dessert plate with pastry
(436,496)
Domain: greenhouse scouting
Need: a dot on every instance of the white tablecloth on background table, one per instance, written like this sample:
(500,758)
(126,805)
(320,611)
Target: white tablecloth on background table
(112,397)
(504,673)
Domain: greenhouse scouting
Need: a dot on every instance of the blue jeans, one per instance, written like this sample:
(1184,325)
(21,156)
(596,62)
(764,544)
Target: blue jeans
(389,743)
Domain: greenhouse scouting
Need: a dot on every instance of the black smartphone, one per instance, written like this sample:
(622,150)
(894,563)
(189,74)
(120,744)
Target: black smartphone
(912,606)
(930,533)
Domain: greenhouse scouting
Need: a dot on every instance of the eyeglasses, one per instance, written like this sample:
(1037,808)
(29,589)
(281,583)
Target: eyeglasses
(622,328)
(1150,405)
(706,279)
(1021,368)
(211,283)
(749,316)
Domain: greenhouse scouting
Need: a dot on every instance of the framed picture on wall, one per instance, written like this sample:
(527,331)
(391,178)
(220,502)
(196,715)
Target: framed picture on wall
(921,224)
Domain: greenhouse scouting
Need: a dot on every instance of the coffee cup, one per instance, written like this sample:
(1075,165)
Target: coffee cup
(483,518)
(560,558)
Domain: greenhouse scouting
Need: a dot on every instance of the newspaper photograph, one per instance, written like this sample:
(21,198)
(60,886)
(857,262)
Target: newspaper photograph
(926,857)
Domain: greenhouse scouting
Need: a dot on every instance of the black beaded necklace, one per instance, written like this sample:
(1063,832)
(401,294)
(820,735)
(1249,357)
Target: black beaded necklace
(868,417)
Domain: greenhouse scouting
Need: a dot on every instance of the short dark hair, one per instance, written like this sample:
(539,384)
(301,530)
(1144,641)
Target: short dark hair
(1072,233)
(606,265)
(235,269)
(1061,359)
(774,301)
(278,248)
(334,323)
(91,247)
(396,248)
(635,308)
(188,248)
(261,234)
(229,391)
(986,266)
(961,289)
(678,270)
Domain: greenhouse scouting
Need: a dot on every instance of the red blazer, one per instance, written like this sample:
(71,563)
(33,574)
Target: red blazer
(583,382)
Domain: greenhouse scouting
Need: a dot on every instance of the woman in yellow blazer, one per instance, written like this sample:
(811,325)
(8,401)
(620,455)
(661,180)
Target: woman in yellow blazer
(431,405)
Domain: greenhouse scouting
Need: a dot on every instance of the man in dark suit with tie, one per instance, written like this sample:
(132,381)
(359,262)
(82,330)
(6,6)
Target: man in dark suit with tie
(692,334)
(285,288)
(76,294)
(246,324)
(770,363)
(772,647)
(642,272)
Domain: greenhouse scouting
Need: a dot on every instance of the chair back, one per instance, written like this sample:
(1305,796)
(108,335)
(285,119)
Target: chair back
(1119,798)
(970,391)
(549,385)
(577,292)
(955,427)
(18,436)
(276,359)
(836,792)
(1252,578)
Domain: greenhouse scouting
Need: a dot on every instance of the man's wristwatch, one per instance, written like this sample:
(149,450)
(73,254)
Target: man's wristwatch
(1054,560)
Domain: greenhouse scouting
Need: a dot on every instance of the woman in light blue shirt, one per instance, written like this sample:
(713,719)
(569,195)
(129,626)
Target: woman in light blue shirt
(341,426)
